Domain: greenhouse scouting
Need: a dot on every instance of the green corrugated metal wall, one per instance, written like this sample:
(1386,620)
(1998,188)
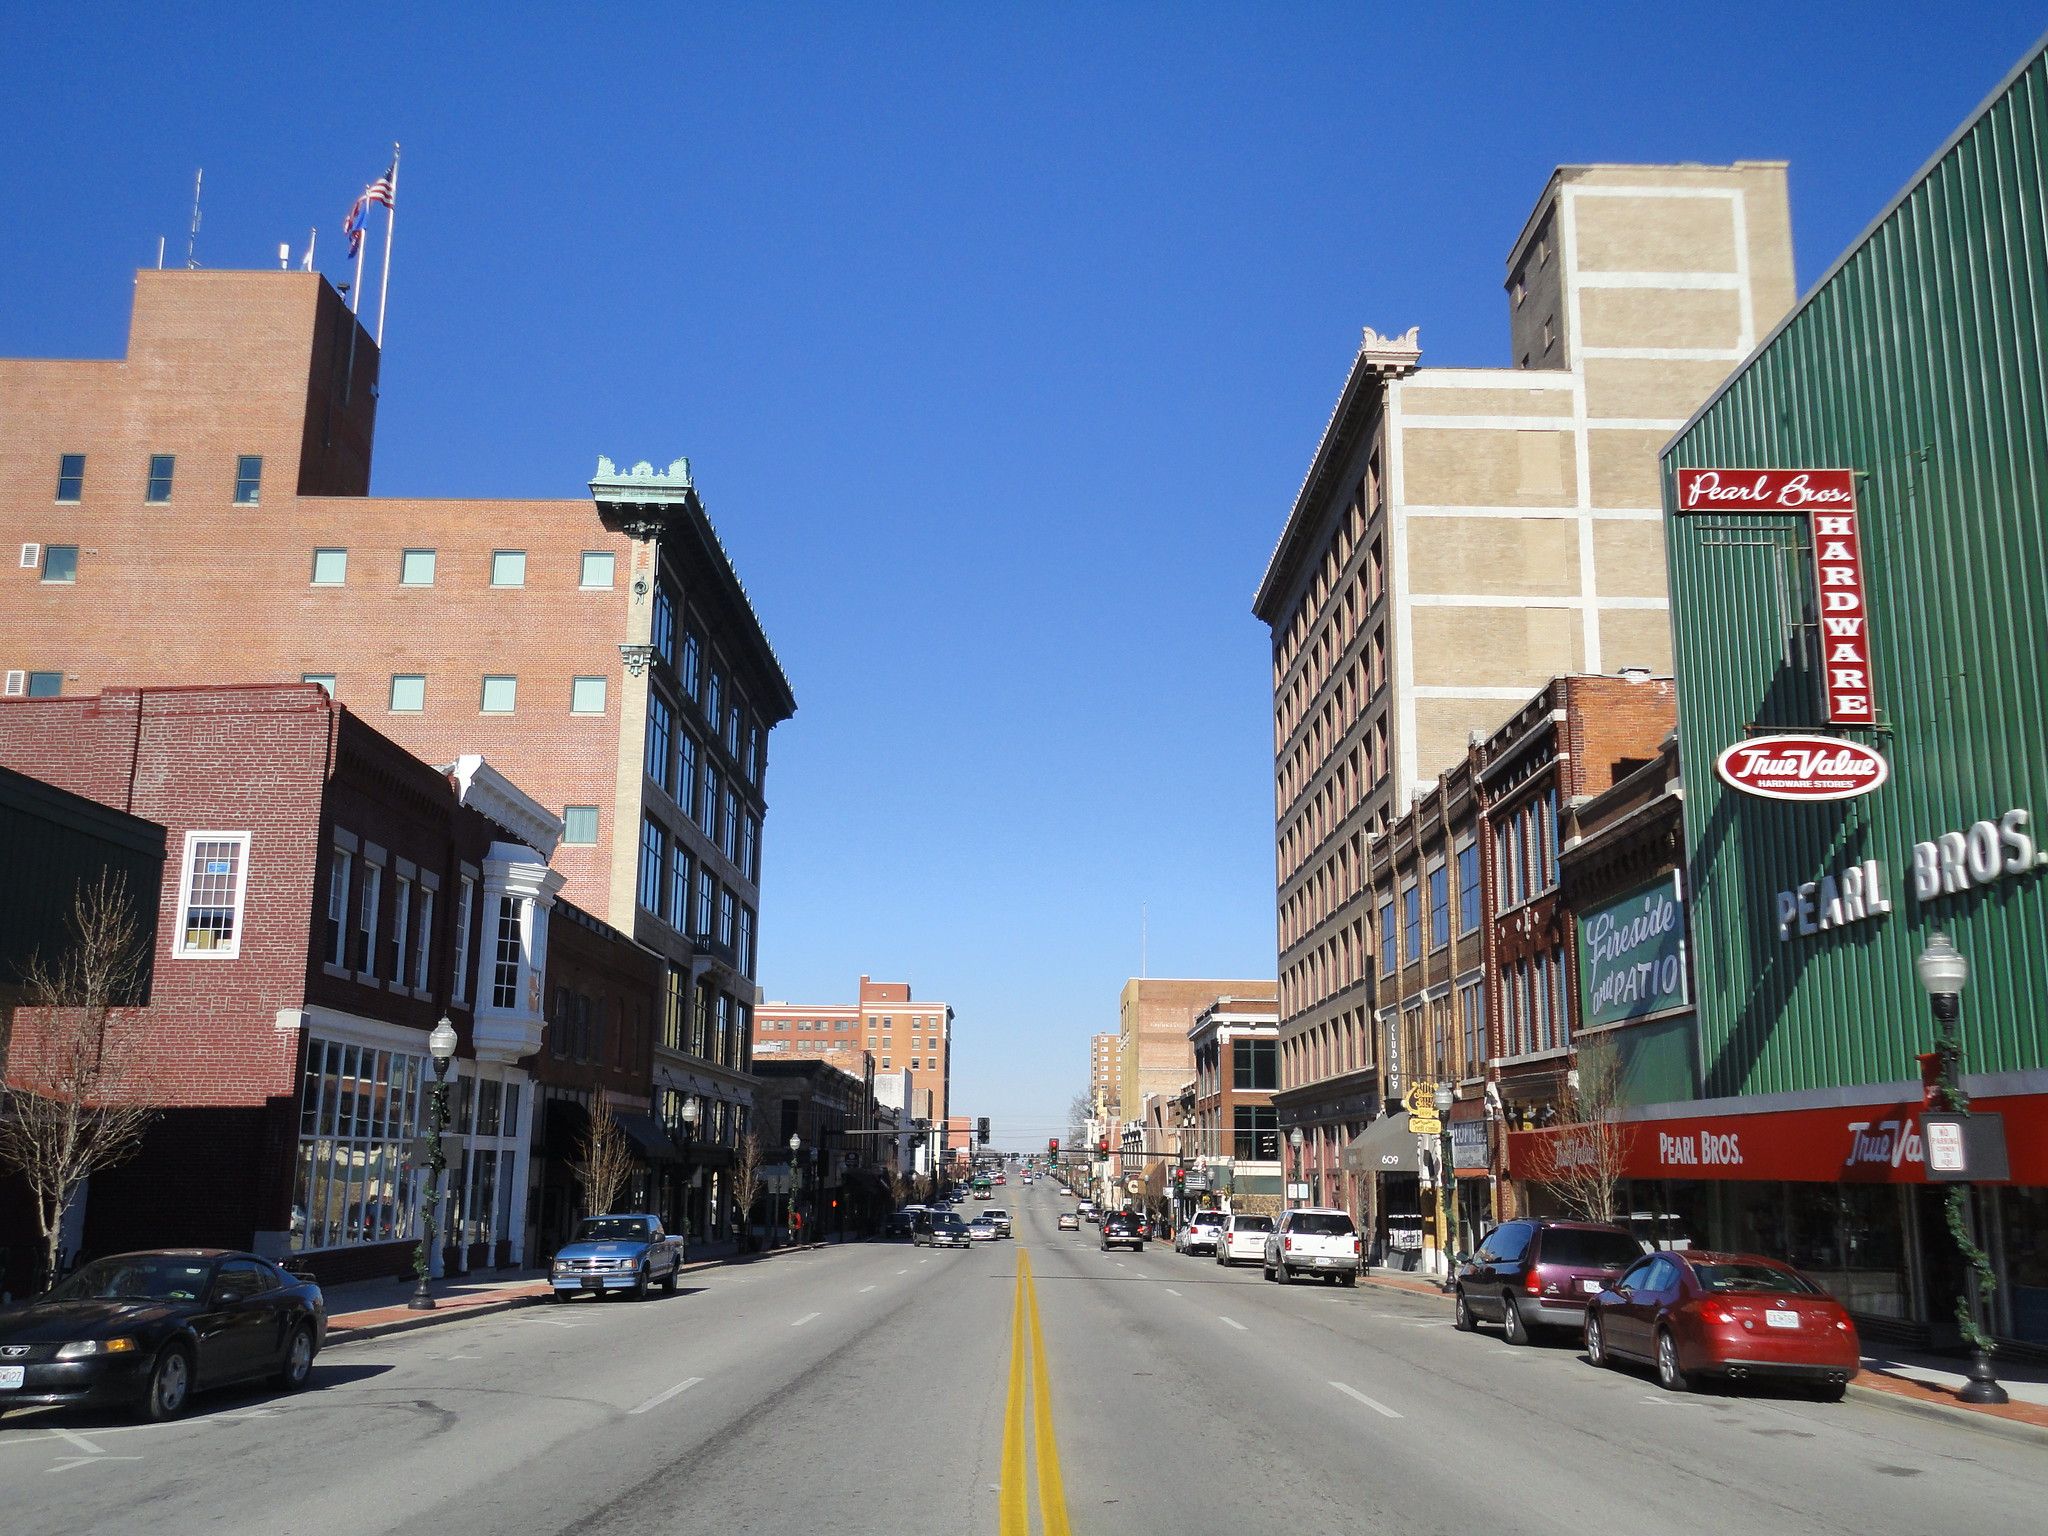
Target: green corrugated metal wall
(1920,362)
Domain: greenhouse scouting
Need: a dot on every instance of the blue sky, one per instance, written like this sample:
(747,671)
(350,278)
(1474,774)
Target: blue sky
(999,337)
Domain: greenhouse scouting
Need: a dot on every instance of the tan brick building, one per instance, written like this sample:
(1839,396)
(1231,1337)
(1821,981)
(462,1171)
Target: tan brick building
(1154,1016)
(886,1027)
(1103,1060)
(199,510)
(1463,535)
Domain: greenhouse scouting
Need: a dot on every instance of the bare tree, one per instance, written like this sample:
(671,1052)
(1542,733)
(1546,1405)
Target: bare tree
(746,1183)
(1080,1110)
(77,1100)
(607,1158)
(1587,1147)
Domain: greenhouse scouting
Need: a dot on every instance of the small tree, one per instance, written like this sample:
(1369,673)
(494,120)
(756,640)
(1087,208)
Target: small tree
(607,1158)
(746,1182)
(76,1099)
(1587,1148)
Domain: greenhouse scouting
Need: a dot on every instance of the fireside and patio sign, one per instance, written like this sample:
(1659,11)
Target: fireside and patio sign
(1632,955)
(1828,498)
(1802,767)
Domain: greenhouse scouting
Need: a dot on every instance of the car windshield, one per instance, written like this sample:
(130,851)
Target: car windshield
(144,1278)
(1322,1224)
(1251,1223)
(949,1223)
(1752,1275)
(1590,1248)
(613,1229)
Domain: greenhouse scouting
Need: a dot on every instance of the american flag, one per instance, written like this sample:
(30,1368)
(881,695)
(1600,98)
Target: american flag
(378,191)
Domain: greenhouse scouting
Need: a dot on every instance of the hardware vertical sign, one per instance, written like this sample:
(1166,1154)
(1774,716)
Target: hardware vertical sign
(1827,497)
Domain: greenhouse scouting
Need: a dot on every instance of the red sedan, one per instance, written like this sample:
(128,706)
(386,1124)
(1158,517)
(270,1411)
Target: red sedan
(1734,1315)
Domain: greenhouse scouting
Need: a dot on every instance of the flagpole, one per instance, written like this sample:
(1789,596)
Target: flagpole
(355,289)
(390,220)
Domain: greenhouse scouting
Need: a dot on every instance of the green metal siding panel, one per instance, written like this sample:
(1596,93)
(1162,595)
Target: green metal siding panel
(1920,363)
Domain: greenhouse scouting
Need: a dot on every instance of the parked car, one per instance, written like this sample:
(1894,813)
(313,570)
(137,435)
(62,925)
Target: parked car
(1733,1315)
(898,1224)
(1316,1240)
(1069,1221)
(1001,1218)
(150,1329)
(1533,1274)
(1200,1233)
(948,1231)
(1120,1230)
(1243,1237)
(623,1252)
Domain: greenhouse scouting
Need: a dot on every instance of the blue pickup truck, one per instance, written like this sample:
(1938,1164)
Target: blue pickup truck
(617,1253)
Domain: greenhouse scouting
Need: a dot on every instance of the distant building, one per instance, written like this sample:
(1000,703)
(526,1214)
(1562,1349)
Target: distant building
(1234,1152)
(1103,1065)
(1154,1016)
(885,1030)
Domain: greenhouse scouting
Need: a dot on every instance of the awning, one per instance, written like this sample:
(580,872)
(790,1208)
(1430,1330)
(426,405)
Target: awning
(1385,1146)
(647,1136)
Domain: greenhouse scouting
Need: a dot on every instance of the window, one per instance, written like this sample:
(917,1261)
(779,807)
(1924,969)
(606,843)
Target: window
(422,956)
(735,715)
(408,693)
(750,848)
(211,886)
(1255,1132)
(746,944)
(465,919)
(70,476)
(366,921)
(249,479)
(655,761)
(707,895)
(579,825)
(330,567)
(598,566)
(714,698)
(725,917)
(692,662)
(662,634)
(500,695)
(358,1110)
(162,466)
(651,845)
(60,563)
(1388,957)
(685,781)
(416,568)
(678,885)
(586,697)
(1254,1065)
(505,958)
(1439,908)
(753,763)
(728,826)
(401,931)
(1546,810)
(508,568)
(1411,923)
(324,679)
(707,809)
(1472,1025)
(338,873)
(1468,888)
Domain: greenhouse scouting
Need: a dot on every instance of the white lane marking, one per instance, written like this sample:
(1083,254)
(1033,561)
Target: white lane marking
(661,1397)
(865,1289)
(1373,1403)
(807,1317)
(86,1461)
(1171,1291)
(1240,1327)
(902,1271)
(924,1261)
(80,1441)
(1429,1325)
(557,1322)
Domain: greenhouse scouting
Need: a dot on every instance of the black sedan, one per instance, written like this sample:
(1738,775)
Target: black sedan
(149,1329)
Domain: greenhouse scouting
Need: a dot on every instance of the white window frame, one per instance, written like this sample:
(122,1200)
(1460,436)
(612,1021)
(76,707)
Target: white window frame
(611,570)
(370,910)
(401,927)
(342,864)
(423,949)
(232,950)
(465,915)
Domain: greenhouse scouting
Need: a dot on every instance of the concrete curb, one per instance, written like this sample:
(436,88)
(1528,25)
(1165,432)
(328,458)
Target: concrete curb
(1965,1418)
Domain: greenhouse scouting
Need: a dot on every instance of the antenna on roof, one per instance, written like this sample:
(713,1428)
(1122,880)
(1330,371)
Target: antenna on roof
(192,240)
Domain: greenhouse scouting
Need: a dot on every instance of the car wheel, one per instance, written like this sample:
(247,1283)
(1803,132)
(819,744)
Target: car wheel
(641,1286)
(297,1364)
(170,1384)
(1348,1279)
(1830,1391)
(1596,1340)
(1670,1371)
(675,1273)
(1280,1273)
(1512,1323)
(561,1298)
(1461,1316)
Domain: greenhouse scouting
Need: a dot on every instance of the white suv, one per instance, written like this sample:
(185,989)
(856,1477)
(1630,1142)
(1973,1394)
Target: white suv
(1200,1232)
(1316,1241)
(1243,1237)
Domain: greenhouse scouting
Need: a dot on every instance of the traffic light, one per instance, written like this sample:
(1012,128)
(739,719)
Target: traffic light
(1052,1146)
(981,1129)
(1102,1145)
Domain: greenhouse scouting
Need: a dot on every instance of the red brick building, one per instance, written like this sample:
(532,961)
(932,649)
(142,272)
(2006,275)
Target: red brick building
(1234,1152)
(884,1032)
(326,898)
(199,510)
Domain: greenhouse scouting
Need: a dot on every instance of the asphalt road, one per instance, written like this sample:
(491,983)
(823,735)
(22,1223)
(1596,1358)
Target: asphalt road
(1038,1384)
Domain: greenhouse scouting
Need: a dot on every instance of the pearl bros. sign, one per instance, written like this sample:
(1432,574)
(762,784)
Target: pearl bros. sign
(1828,498)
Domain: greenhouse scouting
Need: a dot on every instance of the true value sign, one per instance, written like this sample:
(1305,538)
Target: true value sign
(1828,498)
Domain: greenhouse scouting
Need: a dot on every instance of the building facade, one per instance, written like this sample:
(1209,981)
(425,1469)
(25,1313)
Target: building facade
(1103,1072)
(1233,1156)
(883,1032)
(1154,1015)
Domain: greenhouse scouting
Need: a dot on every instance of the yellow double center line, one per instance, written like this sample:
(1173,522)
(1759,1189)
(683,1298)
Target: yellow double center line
(1027,1352)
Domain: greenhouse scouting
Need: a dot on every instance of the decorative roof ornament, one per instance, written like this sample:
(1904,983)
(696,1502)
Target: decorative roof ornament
(1391,357)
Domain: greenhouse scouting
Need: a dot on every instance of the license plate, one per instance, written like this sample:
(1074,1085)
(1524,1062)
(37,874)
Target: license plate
(12,1375)
(1777,1319)
(1322,1263)
(593,1285)
(1594,1287)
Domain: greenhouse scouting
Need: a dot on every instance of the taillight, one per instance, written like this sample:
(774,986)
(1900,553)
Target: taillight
(1533,1284)
(1354,1242)
(1287,1243)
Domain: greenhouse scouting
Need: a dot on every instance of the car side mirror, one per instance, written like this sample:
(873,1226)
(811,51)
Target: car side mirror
(1461,1258)
(1624,1291)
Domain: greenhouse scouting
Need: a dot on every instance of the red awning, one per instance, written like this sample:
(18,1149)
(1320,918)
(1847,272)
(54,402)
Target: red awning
(1855,1144)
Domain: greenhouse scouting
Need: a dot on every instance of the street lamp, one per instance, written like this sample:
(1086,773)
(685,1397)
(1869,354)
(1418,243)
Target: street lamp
(1944,972)
(690,1113)
(796,1144)
(1447,1198)
(1295,1140)
(441,1046)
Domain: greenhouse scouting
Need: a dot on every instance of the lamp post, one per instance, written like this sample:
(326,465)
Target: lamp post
(1944,972)
(1446,1179)
(1296,1140)
(796,1144)
(441,1046)
(690,1113)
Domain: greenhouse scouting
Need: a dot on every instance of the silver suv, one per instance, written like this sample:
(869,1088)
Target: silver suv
(1318,1241)
(1001,1218)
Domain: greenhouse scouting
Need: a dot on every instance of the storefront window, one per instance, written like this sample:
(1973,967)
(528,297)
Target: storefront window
(2022,1216)
(358,1112)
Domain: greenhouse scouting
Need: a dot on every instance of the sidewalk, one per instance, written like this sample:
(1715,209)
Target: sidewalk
(1918,1383)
